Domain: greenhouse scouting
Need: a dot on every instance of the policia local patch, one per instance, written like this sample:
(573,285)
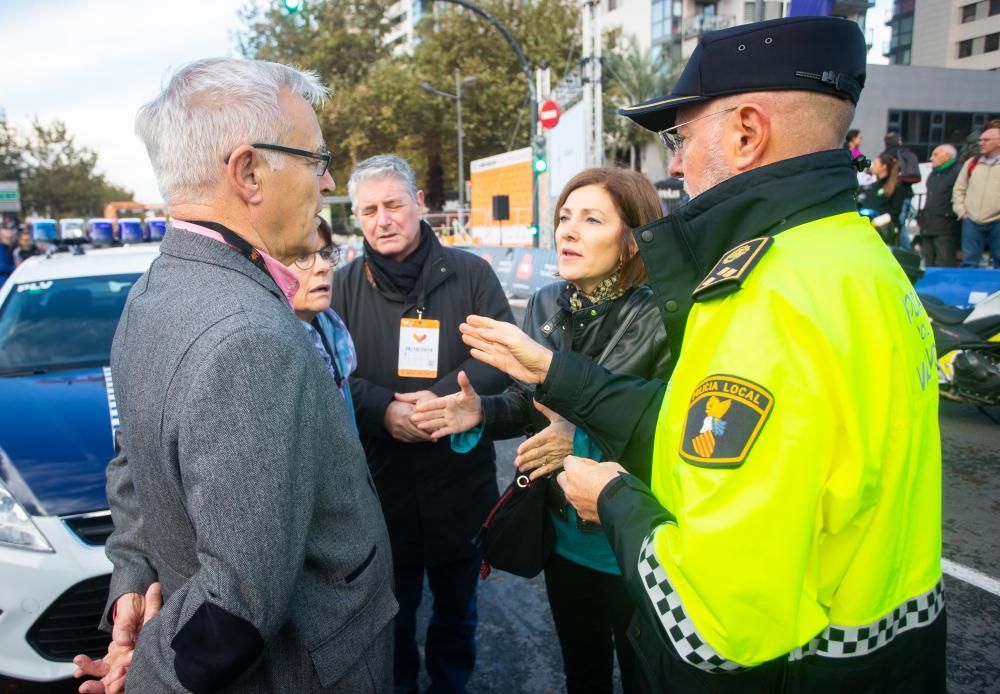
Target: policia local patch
(725,416)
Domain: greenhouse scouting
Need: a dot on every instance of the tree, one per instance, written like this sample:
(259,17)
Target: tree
(495,117)
(633,75)
(60,179)
(377,103)
(341,40)
(10,151)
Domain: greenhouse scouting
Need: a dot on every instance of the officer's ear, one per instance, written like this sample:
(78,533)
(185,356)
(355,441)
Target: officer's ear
(753,134)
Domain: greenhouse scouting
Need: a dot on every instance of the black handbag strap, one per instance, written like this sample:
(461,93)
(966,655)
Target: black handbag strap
(634,304)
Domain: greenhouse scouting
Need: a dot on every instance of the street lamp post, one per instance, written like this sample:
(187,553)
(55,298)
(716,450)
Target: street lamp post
(457,98)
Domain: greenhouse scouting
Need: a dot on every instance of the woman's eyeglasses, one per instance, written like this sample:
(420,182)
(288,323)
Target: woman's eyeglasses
(330,254)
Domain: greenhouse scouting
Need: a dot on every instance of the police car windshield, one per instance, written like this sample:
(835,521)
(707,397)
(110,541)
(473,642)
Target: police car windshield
(55,325)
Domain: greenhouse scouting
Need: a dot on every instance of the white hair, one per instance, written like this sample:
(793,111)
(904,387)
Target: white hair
(209,108)
(381,166)
(947,149)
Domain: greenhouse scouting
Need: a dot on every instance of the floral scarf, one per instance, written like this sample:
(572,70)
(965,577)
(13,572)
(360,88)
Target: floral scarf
(573,299)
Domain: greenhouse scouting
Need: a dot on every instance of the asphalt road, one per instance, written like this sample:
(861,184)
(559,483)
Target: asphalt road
(518,650)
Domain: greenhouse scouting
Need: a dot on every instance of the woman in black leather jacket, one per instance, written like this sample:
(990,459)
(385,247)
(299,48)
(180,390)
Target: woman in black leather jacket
(602,309)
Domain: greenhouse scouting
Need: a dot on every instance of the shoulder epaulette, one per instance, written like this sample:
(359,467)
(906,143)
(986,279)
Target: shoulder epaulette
(729,273)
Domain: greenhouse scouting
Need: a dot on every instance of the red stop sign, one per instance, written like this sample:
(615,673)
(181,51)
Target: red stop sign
(548,114)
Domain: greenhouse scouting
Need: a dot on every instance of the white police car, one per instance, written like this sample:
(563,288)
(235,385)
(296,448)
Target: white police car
(58,316)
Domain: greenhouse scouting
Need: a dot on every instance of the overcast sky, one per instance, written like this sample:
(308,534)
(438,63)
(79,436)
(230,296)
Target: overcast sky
(93,63)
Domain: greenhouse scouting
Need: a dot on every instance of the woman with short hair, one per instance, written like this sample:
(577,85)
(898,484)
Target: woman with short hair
(312,306)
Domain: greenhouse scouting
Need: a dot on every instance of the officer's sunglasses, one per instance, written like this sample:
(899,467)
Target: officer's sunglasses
(675,142)
(322,158)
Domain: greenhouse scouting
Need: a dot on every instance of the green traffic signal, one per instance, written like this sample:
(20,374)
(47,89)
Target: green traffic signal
(293,6)
(541,165)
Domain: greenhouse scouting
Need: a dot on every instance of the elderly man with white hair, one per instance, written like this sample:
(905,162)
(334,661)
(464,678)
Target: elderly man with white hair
(940,229)
(241,486)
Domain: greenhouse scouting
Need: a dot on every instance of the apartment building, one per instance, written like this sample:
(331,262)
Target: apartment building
(945,33)
(673,27)
(403,16)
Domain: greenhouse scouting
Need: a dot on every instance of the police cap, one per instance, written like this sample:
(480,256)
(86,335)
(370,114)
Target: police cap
(817,54)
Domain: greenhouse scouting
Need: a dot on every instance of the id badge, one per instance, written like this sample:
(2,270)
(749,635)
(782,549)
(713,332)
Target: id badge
(418,348)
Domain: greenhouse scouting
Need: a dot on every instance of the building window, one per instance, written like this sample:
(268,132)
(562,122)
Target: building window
(661,20)
(965,48)
(969,13)
(992,43)
(922,131)
(666,23)
(902,39)
(994,7)
(613,5)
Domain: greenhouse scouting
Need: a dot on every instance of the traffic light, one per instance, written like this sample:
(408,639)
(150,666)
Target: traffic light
(292,6)
(539,164)
(533,228)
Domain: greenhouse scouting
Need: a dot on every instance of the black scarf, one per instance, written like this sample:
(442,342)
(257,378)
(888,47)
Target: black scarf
(399,277)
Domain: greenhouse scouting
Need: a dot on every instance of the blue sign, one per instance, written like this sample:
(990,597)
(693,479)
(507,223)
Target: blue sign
(959,286)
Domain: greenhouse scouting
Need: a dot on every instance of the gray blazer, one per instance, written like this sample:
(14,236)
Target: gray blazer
(242,487)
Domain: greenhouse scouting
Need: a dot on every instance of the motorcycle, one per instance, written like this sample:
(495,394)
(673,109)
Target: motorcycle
(968,350)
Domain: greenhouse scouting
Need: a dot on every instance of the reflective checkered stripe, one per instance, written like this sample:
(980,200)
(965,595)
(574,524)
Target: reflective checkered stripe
(112,402)
(849,642)
(833,642)
(688,643)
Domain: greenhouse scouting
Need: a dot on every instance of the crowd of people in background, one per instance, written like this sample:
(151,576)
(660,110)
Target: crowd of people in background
(15,248)
(960,209)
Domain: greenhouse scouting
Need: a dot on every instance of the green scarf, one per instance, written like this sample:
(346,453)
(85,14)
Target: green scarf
(946,165)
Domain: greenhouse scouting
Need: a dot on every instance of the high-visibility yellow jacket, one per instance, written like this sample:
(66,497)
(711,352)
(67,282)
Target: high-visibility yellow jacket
(795,509)
(825,508)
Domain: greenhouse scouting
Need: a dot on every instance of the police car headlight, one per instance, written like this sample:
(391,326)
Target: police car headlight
(16,528)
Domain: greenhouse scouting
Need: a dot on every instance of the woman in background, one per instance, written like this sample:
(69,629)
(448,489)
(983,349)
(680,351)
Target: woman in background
(312,306)
(853,142)
(885,196)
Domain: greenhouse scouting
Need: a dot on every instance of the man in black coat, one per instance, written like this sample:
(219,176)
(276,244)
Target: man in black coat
(940,229)
(403,301)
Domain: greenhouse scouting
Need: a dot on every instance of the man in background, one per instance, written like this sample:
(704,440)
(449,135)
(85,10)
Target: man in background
(976,201)
(402,302)
(939,226)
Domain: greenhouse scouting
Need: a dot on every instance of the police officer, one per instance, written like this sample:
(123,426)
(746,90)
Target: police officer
(791,537)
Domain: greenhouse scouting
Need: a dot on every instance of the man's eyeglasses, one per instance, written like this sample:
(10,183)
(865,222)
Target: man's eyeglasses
(330,254)
(322,158)
(674,142)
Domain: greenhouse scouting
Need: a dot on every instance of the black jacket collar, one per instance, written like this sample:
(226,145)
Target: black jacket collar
(679,250)
(436,270)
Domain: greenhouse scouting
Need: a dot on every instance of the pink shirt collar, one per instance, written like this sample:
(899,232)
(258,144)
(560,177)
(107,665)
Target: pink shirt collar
(286,280)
